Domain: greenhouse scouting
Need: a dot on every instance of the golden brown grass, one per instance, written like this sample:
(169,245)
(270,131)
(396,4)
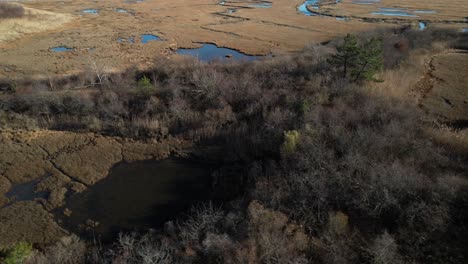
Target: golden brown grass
(456,140)
(398,83)
(33,21)
(401,82)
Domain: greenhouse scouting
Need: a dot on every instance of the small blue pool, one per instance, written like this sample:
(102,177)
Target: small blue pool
(209,52)
(365,2)
(424,11)
(145,38)
(422,25)
(261,5)
(90,11)
(61,49)
(394,12)
(128,40)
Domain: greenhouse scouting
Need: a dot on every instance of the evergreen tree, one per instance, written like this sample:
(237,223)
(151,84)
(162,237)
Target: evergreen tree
(359,62)
(347,54)
(369,62)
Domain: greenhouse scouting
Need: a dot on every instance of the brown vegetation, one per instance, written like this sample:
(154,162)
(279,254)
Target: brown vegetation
(8,10)
(334,171)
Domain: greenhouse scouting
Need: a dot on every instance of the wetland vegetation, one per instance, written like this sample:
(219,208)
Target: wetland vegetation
(9,10)
(318,157)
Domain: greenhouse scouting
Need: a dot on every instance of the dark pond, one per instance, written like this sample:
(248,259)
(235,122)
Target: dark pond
(138,196)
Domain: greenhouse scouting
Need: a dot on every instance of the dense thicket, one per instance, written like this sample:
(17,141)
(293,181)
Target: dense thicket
(8,10)
(336,174)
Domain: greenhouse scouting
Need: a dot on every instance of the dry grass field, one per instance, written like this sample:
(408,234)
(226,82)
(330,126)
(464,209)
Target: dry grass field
(447,96)
(25,43)
(33,21)
(338,169)
(432,10)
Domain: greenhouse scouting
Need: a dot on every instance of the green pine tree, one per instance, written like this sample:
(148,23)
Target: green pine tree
(369,61)
(359,62)
(145,88)
(346,55)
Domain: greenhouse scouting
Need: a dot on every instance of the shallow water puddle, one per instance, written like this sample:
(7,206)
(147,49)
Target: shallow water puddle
(138,195)
(424,11)
(121,10)
(145,38)
(128,40)
(25,192)
(90,11)
(365,2)
(262,5)
(133,1)
(422,25)
(209,52)
(61,49)
(393,12)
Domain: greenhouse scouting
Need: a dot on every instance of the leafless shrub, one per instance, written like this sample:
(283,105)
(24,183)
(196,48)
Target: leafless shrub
(70,250)
(219,248)
(202,220)
(274,240)
(384,250)
(131,249)
(9,10)
(155,254)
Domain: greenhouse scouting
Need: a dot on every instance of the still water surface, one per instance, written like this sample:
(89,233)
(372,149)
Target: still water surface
(138,196)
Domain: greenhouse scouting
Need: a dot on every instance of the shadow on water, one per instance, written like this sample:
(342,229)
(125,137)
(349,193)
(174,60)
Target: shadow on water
(138,196)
